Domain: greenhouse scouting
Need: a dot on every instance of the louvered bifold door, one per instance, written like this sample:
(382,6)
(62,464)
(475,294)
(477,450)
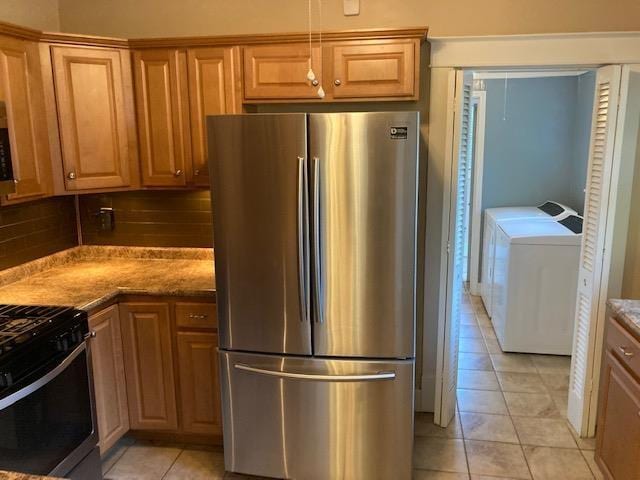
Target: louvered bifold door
(591,256)
(459,198)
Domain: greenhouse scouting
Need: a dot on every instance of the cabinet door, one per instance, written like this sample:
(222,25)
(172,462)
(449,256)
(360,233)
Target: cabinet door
(199,382)
(148,359)
(163,116)
(108,377)
(213,85)
(21,90)
(618,433)
(92,116)
(273,72)
(375,69)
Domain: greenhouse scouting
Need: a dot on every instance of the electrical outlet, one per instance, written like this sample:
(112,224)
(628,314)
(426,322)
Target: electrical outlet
(351,7)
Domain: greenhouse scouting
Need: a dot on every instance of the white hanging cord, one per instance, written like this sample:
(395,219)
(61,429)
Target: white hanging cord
(320,89)
(504,101)
(311,76)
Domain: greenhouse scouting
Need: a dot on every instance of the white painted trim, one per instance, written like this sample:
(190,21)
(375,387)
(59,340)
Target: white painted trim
(513,51)
(480,98)
(514,74)
(444,265)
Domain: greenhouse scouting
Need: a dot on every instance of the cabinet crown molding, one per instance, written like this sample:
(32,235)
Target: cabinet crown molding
(202,41)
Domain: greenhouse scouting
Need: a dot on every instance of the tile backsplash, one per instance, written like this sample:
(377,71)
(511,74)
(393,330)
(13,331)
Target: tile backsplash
(34,229)
(149,218)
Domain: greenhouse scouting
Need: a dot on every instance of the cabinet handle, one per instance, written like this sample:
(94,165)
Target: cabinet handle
(625,352)
(71,176)
(337,82)
(178,173)
(195,316)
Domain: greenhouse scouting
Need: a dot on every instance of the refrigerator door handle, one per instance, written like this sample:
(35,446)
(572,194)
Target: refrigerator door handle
(303,243)
(316,241)
(369,377)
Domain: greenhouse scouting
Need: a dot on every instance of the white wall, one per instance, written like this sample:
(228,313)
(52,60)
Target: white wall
(38,14)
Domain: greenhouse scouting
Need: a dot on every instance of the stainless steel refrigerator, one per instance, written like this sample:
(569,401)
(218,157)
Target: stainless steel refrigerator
(315,255)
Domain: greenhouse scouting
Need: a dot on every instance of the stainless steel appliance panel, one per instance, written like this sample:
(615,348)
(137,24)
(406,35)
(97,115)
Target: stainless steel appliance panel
(259,196)
(310,418)
(364,171)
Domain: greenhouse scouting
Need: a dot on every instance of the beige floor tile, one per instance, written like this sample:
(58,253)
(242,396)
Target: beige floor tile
(490,477)
(483,319)
(556,382)
(115,453)
(493,346)
(561,402)
(521,382)
(425,427)
(498,459)
(197,465)
(474,361)
(143,462)
(470,331)
(557,463)
(478,380)
(552,363)
(483,426)
(583,443)
(488,332)
(440,454)
(513,362)
(433,475)
(544,432)
(531,405)
(481,401)
(468,319)
(472,345)
(589,456)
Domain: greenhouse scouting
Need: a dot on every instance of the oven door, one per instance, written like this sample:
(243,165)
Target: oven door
(48,426)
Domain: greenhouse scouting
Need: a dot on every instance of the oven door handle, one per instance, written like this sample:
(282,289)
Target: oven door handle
(42,381)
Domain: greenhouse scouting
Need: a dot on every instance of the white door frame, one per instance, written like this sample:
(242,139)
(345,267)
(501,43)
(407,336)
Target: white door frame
(479,98)
(575,51)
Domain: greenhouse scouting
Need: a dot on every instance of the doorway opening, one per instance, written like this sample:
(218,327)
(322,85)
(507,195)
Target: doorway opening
(535,323)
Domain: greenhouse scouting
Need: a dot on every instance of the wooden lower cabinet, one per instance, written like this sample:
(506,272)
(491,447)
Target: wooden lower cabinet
(618,426)
(109,377)
(148,358)
(199,382)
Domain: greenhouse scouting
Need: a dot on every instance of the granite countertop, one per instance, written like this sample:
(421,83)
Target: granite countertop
(87,277)
(4,475)
(628,311)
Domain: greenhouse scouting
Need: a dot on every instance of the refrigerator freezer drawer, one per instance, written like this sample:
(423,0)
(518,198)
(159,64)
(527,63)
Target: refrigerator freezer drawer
(310,418)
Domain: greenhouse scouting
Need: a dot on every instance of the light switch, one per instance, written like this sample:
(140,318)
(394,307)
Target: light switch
(351,7)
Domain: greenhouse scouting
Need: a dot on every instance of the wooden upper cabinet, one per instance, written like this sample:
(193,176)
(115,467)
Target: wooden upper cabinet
(148,359)
(273,72)
(214,80)
(199,382)
(163,116)
(91,86)
(374,69)
(109,377)
(21,90)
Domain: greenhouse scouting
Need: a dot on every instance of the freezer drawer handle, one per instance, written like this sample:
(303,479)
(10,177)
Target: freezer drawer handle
(372,377)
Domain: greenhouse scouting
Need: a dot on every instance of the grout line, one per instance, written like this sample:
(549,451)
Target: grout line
(172,463)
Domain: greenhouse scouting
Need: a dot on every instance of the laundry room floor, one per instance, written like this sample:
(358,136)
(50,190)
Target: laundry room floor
(511,420)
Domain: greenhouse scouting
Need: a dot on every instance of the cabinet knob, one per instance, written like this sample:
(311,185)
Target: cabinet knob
(71,175)
(178,173)
(315,83)
(625,351)
(194,316)
(91,334)
(16,181)
(196,172)
(337,82)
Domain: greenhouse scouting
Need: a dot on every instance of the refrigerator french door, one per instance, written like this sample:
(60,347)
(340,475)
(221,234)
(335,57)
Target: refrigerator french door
(315,251)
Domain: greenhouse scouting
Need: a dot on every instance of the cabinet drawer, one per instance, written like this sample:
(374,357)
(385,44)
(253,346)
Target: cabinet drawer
(196,315)
(624,346)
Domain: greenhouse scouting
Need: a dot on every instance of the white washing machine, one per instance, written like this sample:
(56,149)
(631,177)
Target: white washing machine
(547,211)
(535,284)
